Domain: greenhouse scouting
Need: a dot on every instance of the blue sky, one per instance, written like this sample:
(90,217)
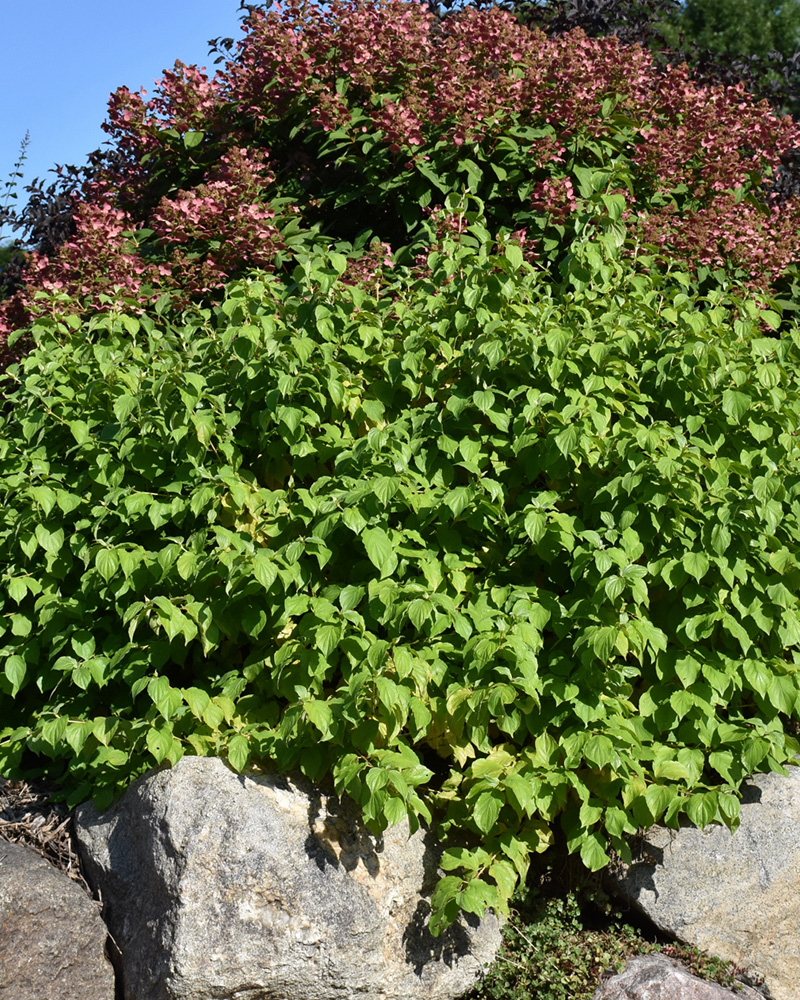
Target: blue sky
(60,61)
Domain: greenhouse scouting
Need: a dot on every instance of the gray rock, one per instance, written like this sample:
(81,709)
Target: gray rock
(656,977)
(52,940)
(223,885)
(737,895)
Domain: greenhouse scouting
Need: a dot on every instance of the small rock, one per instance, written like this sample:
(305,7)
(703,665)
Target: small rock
(52,940)
(736,896)
(656,977)
(255,887)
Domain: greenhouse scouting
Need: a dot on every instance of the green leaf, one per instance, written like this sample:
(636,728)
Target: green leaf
(238,752)
(264,568)
(535,525)
(103,729)
(15,670)
(197,700)
(350,597)
(696,564)
(52,732)
(21,625)
(659,799)
(735,404)
(486,810)
(514,255)
(168,700)
(67,501)
(484,400)
(77,733)
(45,497)
(729,808)
(765,488)
(593,852)
(80,431)
(213,714)
(781,595)
(186,565)
(385,488)
(354,520)
(567,440)
(602,639)
(380,551)
(476,897)
(419,612)
(687,668)
(720,539)
(757,676)
(159,741)
(600,751)
(107,563)
(771,318)
(50,541)
(681,702)
(83,643)
(701,808)
(671,770)
(321,716)
(326,639)
(506,877)
(124,405)
(190,140)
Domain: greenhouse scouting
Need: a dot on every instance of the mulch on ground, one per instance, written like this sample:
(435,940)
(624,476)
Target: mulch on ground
(28,816)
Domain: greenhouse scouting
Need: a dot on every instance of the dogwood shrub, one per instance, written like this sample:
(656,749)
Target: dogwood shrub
(498,555)
(373,424)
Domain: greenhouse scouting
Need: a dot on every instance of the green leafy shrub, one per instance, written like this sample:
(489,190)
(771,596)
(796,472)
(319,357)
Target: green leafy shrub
(499,553)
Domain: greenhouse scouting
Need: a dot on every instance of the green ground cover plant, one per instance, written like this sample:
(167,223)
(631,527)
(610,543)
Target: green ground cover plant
(458,464)
(564,933)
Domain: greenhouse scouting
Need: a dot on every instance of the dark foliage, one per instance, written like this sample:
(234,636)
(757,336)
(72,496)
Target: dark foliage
(12,264)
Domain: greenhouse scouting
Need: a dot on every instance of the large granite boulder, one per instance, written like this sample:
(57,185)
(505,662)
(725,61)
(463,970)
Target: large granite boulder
(737,895)
(52,940)
(656,977)
(224,885)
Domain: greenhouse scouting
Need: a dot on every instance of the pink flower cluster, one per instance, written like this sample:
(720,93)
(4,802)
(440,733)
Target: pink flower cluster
(554,197)
(224,213)
(204,234)
(761,241)
(370,265)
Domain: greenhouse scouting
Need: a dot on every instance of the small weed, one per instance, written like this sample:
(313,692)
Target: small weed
(564,934)
(11,184)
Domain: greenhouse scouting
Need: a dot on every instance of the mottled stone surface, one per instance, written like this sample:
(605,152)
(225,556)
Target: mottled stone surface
(52,940)
(737,895)
(225,885)
(656,977)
